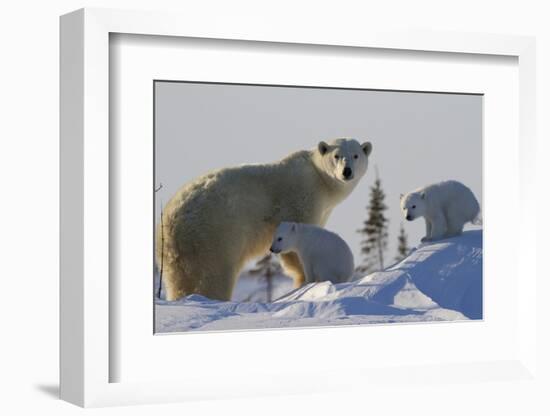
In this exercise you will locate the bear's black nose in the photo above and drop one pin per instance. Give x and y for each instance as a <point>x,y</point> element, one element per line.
<point>271,249</point>
<point>347,172</point>
<point>409,218</point>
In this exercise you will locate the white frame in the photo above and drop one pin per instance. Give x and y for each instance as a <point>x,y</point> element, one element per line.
<point>137,60</point>
<point>85,183</point>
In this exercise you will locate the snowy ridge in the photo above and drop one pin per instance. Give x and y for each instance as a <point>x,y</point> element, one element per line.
<point>437,281</point>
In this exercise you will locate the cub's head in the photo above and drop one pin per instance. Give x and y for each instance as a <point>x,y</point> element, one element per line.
<point>344,160</point>
<point>413,205</point>
<point>284,238</point>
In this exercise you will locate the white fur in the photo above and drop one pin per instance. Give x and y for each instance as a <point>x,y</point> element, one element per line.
<point>324,255</point>
<point>220,221</point>
<point>445,206</point>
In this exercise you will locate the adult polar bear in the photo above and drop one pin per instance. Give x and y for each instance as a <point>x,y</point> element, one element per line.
<point>215,224</point>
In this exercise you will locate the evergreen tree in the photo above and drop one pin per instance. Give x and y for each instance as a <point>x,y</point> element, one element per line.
<point>267,267</point>
<point>402,248</point>
<point>375,230</point>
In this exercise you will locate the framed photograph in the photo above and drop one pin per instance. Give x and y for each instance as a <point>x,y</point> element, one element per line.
<point>320,236</point>
<point>290,196</point>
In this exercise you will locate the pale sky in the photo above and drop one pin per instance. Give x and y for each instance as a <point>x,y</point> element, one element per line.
<point>418,139</point>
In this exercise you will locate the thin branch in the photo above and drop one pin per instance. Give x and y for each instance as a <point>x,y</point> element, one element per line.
<point>161,242</point>
<point>161,247</point>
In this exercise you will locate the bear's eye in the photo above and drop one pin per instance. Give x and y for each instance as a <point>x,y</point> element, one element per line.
<point>413,207</point>
<point>280,239</point>
<point>336,157</point>
<point>355,156</point>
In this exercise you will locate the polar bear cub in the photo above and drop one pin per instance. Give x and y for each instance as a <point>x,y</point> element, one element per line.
<point>324,255</point>
<point>445,206</point>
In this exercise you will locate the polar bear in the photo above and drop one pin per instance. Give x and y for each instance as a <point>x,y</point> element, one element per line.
<point>324,255</point>
<point>445,206</point>
<point>217,223</point>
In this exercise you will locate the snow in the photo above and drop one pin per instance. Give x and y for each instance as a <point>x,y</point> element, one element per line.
<point>440,281</point>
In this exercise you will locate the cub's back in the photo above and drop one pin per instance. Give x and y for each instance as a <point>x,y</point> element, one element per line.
<point>326,241</point>
<point>450,189</point>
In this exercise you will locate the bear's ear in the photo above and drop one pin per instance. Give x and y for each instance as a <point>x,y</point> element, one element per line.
<point>423,195</point>
<point>401,196</point>
<point>323,147</point>
<point>367,148</point>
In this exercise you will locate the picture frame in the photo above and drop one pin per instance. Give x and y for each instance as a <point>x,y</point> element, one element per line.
<point>87,305</point>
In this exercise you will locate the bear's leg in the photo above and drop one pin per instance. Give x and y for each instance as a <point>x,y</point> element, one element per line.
<point>455,221</point>
<point>176,283</point>
<point>454,228</point>
<point>309,274</point>
<point>439,227</point>
<point>222,287</point>
<point>293,267</point>
<point>428,231</point>
<point>218,278</point>
<point>212,280</point>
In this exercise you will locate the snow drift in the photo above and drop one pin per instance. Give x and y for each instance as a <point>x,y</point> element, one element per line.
<point>438,281</point>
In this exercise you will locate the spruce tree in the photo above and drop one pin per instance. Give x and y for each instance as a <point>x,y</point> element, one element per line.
<point>375,230</point>
<point>402,248</point>
<point>267,267</point>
